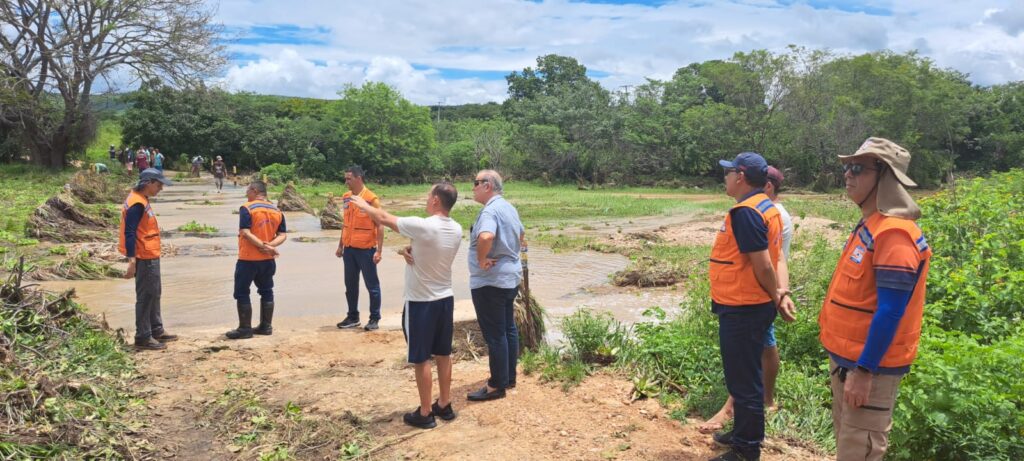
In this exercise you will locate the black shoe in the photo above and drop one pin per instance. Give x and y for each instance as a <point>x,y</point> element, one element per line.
<point>482,395</point>
<point>415,419</point>
<point>239,333</point>
<point>149,344</point>
<point>723,438</point>
<point>266,316</point>
<point>371,325</point>
<point>511,385</point>
<point>349,322</point>
<point>446,413</point>
<point>733,455</point>
<point>165,337</point>
<point>244,330</point>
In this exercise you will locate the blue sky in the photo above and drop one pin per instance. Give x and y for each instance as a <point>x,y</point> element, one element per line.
<point>460,51</point>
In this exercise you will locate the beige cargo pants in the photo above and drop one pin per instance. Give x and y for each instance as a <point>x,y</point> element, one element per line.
<point>862,434</point>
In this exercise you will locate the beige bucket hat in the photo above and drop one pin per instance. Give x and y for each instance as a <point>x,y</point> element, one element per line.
<point>892,198</point>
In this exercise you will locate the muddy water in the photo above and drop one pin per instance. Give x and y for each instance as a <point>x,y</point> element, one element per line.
<point>197,282</point>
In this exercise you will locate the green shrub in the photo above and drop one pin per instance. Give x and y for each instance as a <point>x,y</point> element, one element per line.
<point>976,231</point>
<point>279,174</point>
<point>193,226</point>
<point>591,335</point>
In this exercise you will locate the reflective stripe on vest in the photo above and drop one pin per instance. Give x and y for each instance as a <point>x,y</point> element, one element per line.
<point>852,297</point>
<point>147,234</point>
<point>733,282</point>
<point>265,221</point>
<point>358,229</point>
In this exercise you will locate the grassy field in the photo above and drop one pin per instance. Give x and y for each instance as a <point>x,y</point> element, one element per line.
<point>24,188</point>
<point>109,132</point>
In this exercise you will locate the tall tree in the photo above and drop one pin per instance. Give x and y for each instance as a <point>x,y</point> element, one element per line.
<point>53,53</point>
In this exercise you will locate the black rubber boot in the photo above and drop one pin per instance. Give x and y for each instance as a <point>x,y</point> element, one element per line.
<point>266,316</point>
<point>244,329</point>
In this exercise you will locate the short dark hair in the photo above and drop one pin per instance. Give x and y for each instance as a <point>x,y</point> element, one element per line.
<point>356,171</point>
<point>756,182</point>
<point>259,186</point>
<point>446,192</point>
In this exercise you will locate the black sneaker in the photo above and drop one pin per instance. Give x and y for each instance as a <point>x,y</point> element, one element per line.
<point>149,344</point>
<point>733,455</point>
<point>349,322</point>
<point>371,325</point>
<point>482,395</point>
<point>446,413</point>
<point>723,438</point>
<point>415,419</point>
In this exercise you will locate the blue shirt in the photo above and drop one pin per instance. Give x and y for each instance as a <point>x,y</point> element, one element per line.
<point>501,219</point>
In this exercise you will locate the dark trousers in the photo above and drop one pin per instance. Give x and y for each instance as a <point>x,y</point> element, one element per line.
<point>361,260</point>
<point>741,332</point>
<point>495,310</point>
<point>147,299</point>
<point>261,272</point>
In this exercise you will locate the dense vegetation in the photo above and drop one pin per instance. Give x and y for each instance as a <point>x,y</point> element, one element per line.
<point>799,108</point>
<point>964,397</point>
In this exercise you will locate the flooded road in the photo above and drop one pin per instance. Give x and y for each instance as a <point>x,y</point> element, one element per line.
<point>198,280</point>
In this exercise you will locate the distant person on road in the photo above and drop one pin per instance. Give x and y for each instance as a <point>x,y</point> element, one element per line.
<point>429,299</point>
<point>139,241</point>
<point>127,158</point>
<point>871,318</point>
<point>261,229</point>
<point>112,153</point>
<point>745,295</point>
<point>770,356</point>
<point>219,171</point>
<point>100,168</point>
<point>197,163</point>
<point>141,160</point>
<point>495,271</point>
<point>158,160</point>
<point>361,247</point>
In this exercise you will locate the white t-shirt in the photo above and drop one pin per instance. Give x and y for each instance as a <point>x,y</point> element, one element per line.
<point>787,229</point>
<point>435,240</point>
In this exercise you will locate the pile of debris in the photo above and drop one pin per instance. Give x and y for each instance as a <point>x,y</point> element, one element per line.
<point>80,212</point>
<point>330,216</point>
<point>290,200</point>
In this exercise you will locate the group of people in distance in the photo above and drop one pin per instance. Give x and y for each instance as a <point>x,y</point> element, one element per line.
<point>870,321</point>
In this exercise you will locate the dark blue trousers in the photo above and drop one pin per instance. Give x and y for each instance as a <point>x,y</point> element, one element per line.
<point>361,260</point>
<point>741,332</point>
<point>495,310</point>
<point>261,272</point>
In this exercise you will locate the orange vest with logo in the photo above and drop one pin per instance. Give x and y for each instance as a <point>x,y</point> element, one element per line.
<point>733,282</point>
<point>147,235</point>
<point>266,219</point>
<point>852,297</point>
<point>358,230</point>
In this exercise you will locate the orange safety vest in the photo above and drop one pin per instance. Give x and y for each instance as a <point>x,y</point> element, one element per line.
<point>266,219</point>
<point>733,282</point>
<point>358,229</point>
<point>147,235</point>
<point>852,297</point>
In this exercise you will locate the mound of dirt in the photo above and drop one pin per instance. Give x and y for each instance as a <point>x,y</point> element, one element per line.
<point>290,200</point>
<point>64,218</point>
<point>330,216</point>
<point>647,272</point>
<point>91,187</point>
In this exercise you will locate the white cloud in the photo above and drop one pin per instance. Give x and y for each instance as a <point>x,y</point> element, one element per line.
<point>393,41</point>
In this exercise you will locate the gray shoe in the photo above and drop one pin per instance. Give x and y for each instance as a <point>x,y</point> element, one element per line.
<point>371,325</point>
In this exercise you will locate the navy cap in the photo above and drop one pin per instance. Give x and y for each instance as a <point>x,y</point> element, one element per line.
<point>150,174</point>
<point>751,164</point>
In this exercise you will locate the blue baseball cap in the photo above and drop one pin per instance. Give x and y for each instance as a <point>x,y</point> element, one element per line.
<point>750,164</point>
<point>152,174</point>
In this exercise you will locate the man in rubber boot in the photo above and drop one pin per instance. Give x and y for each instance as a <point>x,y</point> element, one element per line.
<point>261,229</point>
<point>871,318</point>
<point>429,299</point>
<point>745,295</point>
<point>495,271</point>
<point>139,241</point>
<point>360,247</point>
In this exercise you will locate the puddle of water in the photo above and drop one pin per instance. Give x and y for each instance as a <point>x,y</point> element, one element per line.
<point>197,283</point>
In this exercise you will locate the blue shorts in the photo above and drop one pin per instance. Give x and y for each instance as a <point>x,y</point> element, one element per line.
<point>428,328</point>
<point>769,337</point>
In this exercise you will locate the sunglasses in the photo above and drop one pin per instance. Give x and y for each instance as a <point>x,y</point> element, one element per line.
<point>856,168</point>
<point>731,170</point>
<point>477,182</point>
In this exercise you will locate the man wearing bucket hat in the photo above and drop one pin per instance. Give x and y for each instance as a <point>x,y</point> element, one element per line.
<point>139,241</point>
<point>871,318</point>
<point>745,295</point>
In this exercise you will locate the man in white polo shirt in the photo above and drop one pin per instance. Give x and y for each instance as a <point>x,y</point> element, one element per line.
<point>429,300</point>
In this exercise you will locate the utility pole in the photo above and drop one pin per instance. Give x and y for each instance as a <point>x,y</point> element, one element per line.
<point>439,111</point>
<point>626,90</point>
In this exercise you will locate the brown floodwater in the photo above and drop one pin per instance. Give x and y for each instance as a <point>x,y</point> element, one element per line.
<point>197,281</point>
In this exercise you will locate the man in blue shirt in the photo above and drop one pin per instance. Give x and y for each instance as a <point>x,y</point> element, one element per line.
<point>495,271</point>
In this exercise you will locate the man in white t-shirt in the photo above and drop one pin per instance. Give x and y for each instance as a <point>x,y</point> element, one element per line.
<point>429,299</point>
